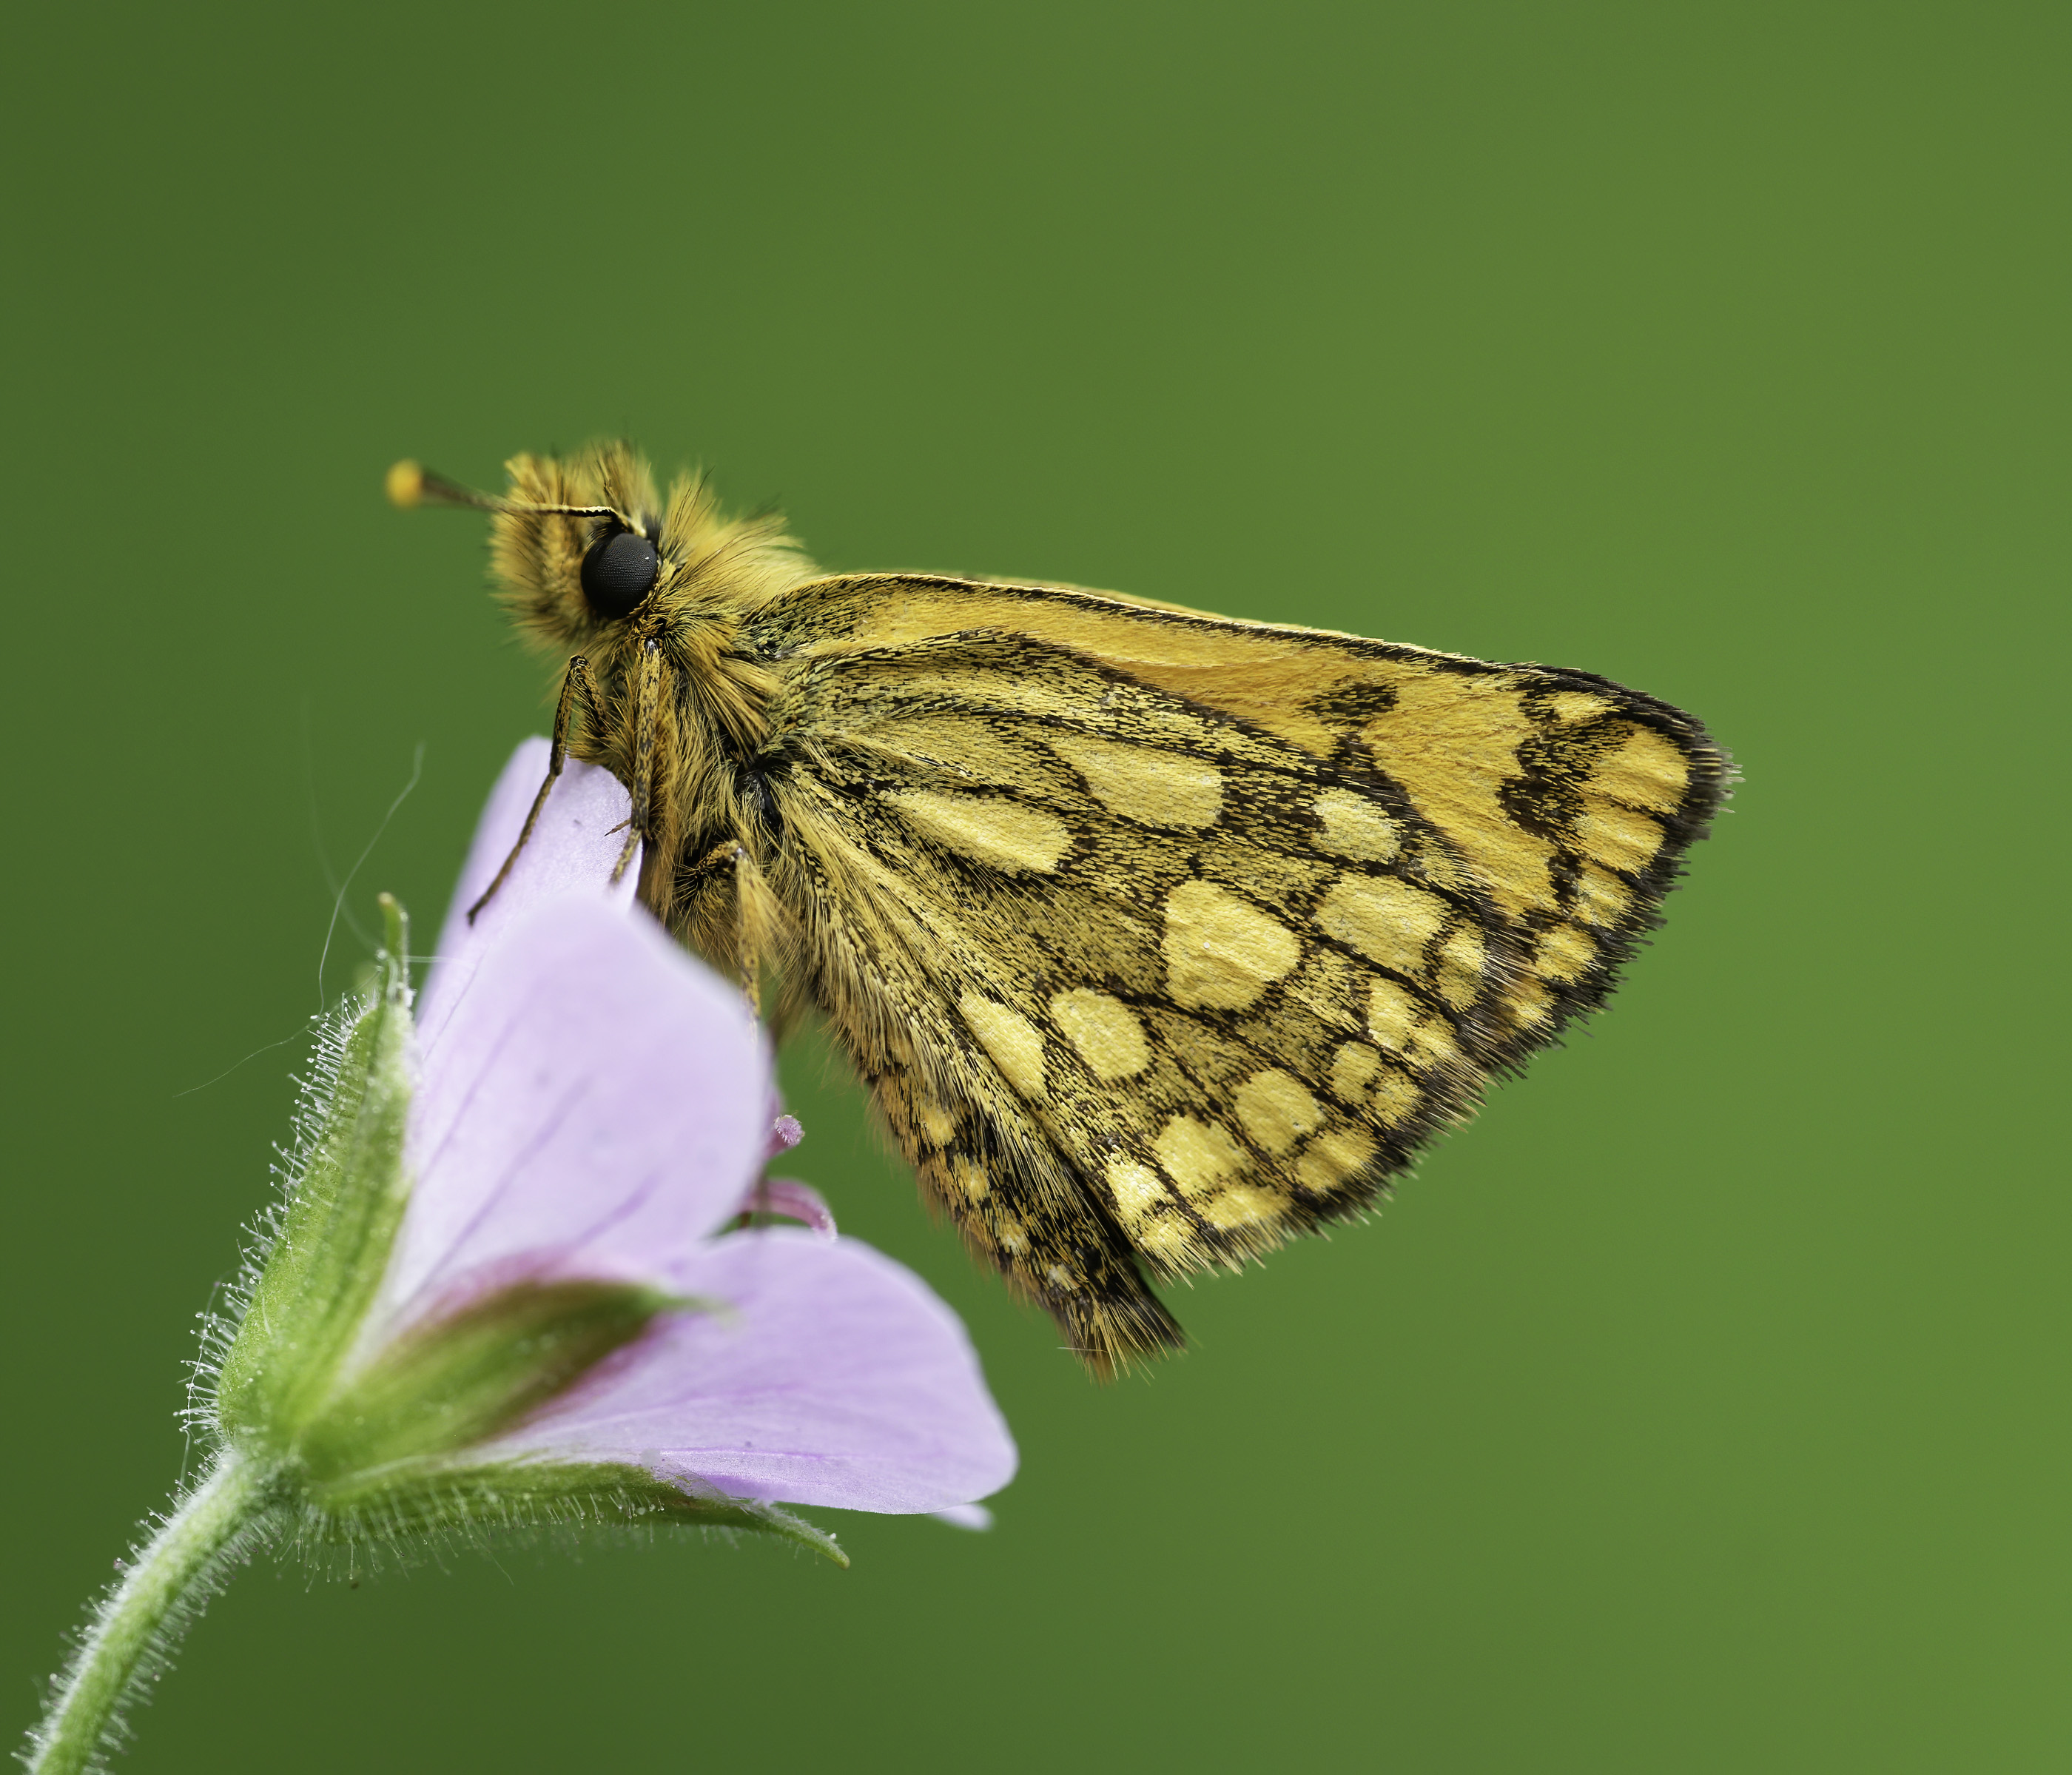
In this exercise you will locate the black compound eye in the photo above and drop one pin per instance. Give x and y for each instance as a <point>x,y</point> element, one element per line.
<point>619,570</point>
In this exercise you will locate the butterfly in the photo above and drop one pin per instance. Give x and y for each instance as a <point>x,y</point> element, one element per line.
<point>1158,938</point>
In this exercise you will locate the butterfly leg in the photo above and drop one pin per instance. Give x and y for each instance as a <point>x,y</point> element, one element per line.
<point>574,682</point>
<point>727,941</point>
<point>646,714</point>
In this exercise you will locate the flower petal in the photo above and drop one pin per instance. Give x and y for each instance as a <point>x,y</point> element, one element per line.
<point>596,1104</point>
<point>834,1377</point>
<point>976,1518</point>
<point>573,850</point>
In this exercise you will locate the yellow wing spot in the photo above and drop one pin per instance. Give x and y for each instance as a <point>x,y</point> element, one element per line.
<point>936,1122</point>
<point>1528,1003</point>
<point>1198,1156</point>
<point>1354,827</point>
<point>1011,1236</point>
<point>1221,953</point>
<point>1431,1041</point>
<point>1192,661</point>
<point>1441,867</point>
<point>1138,1192</point>
<point>1242,1204</point>
<point>1564,952</point>
<point>1395,1099</point>
<point>970,1178</point>
<point>1452,741</point>
<point>1106,1033</point>
<point>1276,1109</point>
<point>1392,1014</point>
<point>970,748</point>
<point>989,829</point>
<point>1647,771</point>
<point>1401,1025</point>
<point>1151,788</point>
<point>1145,1209</point>
<point>1461,958</point>
<point>1014,1043</point>
<point>1615,836</point>
<point>1569,706</point>
<point>1330,1159</point>
<point>1388,921</point>
<point>1353,1068</point>
<point>1169,1237</point>
<point>1116,632</point>
<point>1601,899</point>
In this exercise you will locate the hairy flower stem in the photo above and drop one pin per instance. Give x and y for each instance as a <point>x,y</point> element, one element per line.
<point>217,1525</point>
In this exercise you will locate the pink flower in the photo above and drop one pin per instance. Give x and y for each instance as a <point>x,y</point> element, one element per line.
<point>509,1283</point>
<point>595,1106</point>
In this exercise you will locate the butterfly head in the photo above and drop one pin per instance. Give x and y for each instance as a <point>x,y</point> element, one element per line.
<point>585,550</point>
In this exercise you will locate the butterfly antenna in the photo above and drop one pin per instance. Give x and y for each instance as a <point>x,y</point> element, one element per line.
<point>411,484</point>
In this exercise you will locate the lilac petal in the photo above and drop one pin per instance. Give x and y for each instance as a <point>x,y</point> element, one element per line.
<point>833,1377</point>
<point>595,1106</point>
<point>790,1200</point>
<point>573,850</point>
<point>975,1517</point>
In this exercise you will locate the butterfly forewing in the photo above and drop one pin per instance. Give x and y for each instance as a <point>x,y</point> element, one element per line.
<point>1181,965</point>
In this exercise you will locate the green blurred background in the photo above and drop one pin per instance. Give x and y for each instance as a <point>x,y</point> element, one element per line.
<point>1702,1407</point>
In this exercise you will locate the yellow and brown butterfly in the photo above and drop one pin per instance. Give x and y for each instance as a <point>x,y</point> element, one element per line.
<point>1158,938</point>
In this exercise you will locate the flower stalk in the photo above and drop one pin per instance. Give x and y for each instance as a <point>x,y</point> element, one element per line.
<point>234,1511</point>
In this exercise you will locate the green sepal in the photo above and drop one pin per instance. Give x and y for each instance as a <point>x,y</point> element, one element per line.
<point>445,1386</point>
<point>465,1500</point>
<point>336,1230</point>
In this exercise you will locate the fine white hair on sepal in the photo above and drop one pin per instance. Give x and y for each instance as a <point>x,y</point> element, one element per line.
<point>316,1088</point>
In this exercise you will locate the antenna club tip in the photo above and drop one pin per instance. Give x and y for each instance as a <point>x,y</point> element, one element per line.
<point>405,485</point>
